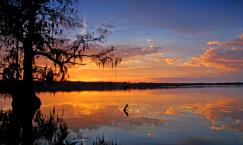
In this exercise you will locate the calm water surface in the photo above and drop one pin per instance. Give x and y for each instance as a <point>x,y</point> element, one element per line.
<point>192,116</point>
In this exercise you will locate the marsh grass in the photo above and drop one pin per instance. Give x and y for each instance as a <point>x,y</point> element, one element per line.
<point>51,129</point>
<point>102,141</point>
<point>47,130</point>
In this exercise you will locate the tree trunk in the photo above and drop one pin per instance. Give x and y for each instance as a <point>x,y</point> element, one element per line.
<point>25,102</point>
<point>27,97</point>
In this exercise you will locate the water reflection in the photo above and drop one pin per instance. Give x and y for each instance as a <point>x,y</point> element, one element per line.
<point>223,114</point>
<point>5,102</point>
<point>168,116</point>
<point>173,116</point>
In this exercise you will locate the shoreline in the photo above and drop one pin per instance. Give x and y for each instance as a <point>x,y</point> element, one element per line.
<point>67,86</point>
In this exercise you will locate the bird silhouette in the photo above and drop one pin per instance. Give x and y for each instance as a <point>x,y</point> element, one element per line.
<point>125,110</point>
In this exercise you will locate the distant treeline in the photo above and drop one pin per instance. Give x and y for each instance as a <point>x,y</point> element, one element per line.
<point>6,86</point>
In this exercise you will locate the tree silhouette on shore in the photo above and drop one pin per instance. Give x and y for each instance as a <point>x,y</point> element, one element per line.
<point>33,31</point>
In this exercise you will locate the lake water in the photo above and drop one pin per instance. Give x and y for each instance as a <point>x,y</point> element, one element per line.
<point>190,116</point>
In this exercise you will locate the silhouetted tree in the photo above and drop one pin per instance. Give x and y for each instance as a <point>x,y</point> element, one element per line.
<point>33,30</point>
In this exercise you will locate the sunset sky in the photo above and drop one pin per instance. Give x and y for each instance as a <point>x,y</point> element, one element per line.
<point>166,40</point>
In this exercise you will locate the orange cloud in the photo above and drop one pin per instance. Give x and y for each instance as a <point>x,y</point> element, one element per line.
<point>208,59</point>
<point>171,60</point>
<point>214,43</point>
<point>224,56</point>
<point>241,36</point>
